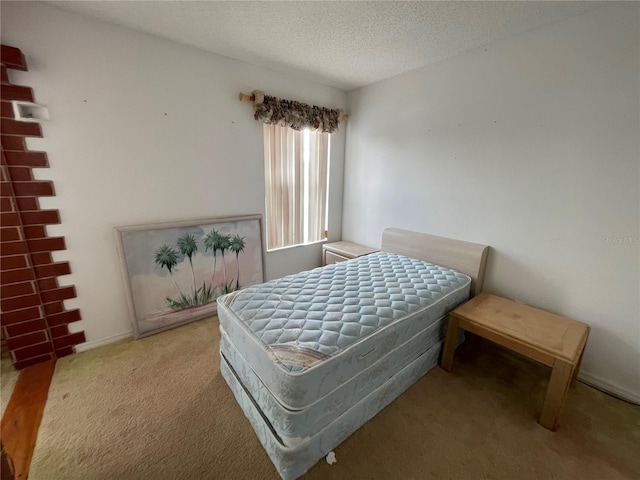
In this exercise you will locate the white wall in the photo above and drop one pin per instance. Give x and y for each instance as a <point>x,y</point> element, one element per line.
<point>146,130</point>
<point>531,146</point>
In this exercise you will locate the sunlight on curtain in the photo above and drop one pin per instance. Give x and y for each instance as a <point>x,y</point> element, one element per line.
<point>296,184</point>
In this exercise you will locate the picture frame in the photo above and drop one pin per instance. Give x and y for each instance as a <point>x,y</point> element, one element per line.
<point>174,272</point>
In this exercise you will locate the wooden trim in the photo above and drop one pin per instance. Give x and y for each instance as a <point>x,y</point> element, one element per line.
<point>22,417</point>
<point>7,472</point>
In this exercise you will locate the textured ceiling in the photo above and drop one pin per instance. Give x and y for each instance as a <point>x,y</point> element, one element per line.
<point>342,44</point>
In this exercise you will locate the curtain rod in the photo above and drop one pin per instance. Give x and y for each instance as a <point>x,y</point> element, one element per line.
<point>250,98</point>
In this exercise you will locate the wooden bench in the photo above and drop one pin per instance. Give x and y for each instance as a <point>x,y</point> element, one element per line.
<point>553,340</point>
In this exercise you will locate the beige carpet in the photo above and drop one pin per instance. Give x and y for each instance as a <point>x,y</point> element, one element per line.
<point>158,409</point>
<point>8,378</point>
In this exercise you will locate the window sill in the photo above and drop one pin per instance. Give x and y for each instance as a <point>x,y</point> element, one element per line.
<point>298,245</point>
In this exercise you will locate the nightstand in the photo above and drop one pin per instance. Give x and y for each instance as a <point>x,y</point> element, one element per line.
<point>340,251</point>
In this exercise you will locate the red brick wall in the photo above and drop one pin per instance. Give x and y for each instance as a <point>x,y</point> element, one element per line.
<point>34,319</point>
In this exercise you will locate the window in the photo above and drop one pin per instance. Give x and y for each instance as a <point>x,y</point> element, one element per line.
<point>296,165</point>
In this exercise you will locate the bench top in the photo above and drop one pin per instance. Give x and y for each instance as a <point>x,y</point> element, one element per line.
<point>515,323</point>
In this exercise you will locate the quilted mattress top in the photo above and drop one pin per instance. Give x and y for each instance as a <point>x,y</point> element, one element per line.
<point>311,316</point>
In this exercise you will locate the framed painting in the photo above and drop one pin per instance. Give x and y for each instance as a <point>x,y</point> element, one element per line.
<point>174,272</point>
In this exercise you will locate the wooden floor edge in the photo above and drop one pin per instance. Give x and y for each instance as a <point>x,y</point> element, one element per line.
<point>22,417</point>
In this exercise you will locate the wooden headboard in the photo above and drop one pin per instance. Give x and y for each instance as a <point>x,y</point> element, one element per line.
<point>465,257</point>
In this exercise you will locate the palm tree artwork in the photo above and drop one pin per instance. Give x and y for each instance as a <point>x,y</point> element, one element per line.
<point>167,257</point>
<point>223,245</point>
<point>173,272</point>
<point>237,245</point>
<point>187,246</point>
<point>211,242</point>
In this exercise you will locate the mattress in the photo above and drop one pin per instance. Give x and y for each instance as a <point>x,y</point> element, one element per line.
<point>291,462</point>
<point>306,335</point>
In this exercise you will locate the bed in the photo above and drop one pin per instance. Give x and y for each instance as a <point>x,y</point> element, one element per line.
<point>313,356</point>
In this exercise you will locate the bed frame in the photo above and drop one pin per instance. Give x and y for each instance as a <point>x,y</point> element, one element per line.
<point>465,257</point>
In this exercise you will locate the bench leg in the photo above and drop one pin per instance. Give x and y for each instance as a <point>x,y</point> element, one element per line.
<point>450,343</point>
<point>561,378</point>
<point>574,377</point>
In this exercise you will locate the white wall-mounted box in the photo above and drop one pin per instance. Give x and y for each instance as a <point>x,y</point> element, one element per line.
<point>29,111</point>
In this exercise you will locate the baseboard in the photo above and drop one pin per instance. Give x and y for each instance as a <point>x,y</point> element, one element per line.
<point>103,341</point>
<point>610,388</point>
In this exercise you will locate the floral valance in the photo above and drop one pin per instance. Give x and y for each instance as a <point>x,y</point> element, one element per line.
<point>296,115</point>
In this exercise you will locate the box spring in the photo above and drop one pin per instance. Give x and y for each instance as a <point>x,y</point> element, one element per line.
<point>291,462</point>
<point>294,426</point>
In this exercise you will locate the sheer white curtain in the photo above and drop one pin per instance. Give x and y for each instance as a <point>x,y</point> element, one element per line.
<point>318,168</point>
<point>296,180</point>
